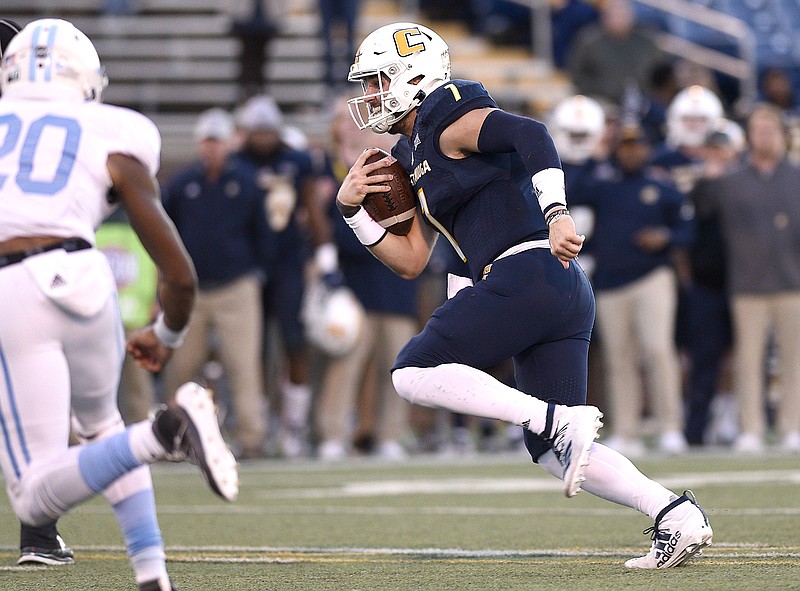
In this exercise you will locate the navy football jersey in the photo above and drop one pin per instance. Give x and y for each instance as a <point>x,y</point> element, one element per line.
<point>482,207</point>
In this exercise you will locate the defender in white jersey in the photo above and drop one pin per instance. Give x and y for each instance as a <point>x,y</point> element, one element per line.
<point>66,161</point>
<point>42,544</point>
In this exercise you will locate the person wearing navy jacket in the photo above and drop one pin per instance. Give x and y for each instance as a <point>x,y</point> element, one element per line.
<point>219,212</point>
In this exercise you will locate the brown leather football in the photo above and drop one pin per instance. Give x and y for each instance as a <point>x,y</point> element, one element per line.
<point>395,208</point>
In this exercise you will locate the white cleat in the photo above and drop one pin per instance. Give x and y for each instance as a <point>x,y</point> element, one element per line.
<point>681,531</point>
<point>199,438</point>
<point>574,432</point>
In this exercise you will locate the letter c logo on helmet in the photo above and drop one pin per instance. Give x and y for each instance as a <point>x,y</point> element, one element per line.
<point>403,43</point>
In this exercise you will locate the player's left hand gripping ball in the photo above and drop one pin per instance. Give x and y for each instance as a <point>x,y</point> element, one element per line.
<point>393,209</point>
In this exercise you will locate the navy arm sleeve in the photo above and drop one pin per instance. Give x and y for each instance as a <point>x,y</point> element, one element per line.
<point>506,132</point>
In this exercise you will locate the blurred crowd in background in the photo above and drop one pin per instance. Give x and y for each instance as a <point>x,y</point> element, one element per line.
<point>688,198</point>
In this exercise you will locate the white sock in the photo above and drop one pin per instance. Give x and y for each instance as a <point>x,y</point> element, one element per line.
<point>296,404</point>
<point>150,566</point>
<point>613,477</point>
<point>145,447</point>
<point>469,391</point>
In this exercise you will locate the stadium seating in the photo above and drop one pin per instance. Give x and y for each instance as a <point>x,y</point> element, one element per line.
<point>178,57</point>
<point>774,23</point>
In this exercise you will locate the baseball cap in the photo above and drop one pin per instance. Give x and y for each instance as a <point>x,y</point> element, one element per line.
<point>214,124</point>
<point>260,113</point>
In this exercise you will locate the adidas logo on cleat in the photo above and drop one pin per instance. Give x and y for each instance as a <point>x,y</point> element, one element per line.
<point>575,429</point>
<point>562,447</point>
<point>665,547</point>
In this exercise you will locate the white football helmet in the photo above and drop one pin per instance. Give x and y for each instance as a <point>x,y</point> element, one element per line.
<point>333,318</point>
<point>50,59</point>
<point>412,57</point>
<point>693,113</point>
<point>577,125</point>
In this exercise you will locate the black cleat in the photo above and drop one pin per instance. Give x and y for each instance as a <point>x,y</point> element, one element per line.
<point>56,556</point>
<point>157,585</point>
<point>188,429</point>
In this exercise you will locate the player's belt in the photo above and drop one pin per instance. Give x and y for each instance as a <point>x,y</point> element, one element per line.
<point>70,245</point>
<point>516,249</point>
<point>522,247</point>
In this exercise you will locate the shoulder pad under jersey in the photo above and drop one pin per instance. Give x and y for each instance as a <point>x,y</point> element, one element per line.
<point>451,100</point>
<point>130,132</point>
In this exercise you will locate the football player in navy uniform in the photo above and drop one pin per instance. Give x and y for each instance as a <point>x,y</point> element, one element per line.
<point>491,183</point>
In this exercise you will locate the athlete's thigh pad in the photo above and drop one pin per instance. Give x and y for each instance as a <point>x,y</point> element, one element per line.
<point>79,283</point>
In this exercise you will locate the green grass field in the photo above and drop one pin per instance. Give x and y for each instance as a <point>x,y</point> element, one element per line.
<point>484,523</point>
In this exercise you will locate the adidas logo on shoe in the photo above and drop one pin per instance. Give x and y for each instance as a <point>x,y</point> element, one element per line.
<point>574,430</point>
<point>666,544</point>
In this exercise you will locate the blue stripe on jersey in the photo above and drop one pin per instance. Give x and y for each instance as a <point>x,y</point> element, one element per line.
<point>15,415</point>
<point>102,462</point>
<point>120,331</point>
<point>137,520</point>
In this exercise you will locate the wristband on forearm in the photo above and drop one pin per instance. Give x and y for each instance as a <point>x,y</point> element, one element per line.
<point>556,215</point>
<point>549,186</point>
<point>166,336</point>
<point>347,211</point>
<point>368,231</point>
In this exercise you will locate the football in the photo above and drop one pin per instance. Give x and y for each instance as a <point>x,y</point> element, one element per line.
<point>393,209</point>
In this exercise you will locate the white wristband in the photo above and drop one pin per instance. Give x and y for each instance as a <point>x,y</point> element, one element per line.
<point>168,337</point>
<point>549,186</point>
<point>368,231</point>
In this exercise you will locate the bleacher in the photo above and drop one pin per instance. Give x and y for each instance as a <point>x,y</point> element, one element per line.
<point>174,58</point>
<point>774,23</point>
<point>177,57</point>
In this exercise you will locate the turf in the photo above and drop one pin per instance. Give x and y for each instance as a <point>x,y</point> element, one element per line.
<point>480,523</point>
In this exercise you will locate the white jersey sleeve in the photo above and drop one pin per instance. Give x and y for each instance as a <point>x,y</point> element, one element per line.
<point>54,177</point>
<point>131,133</point>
